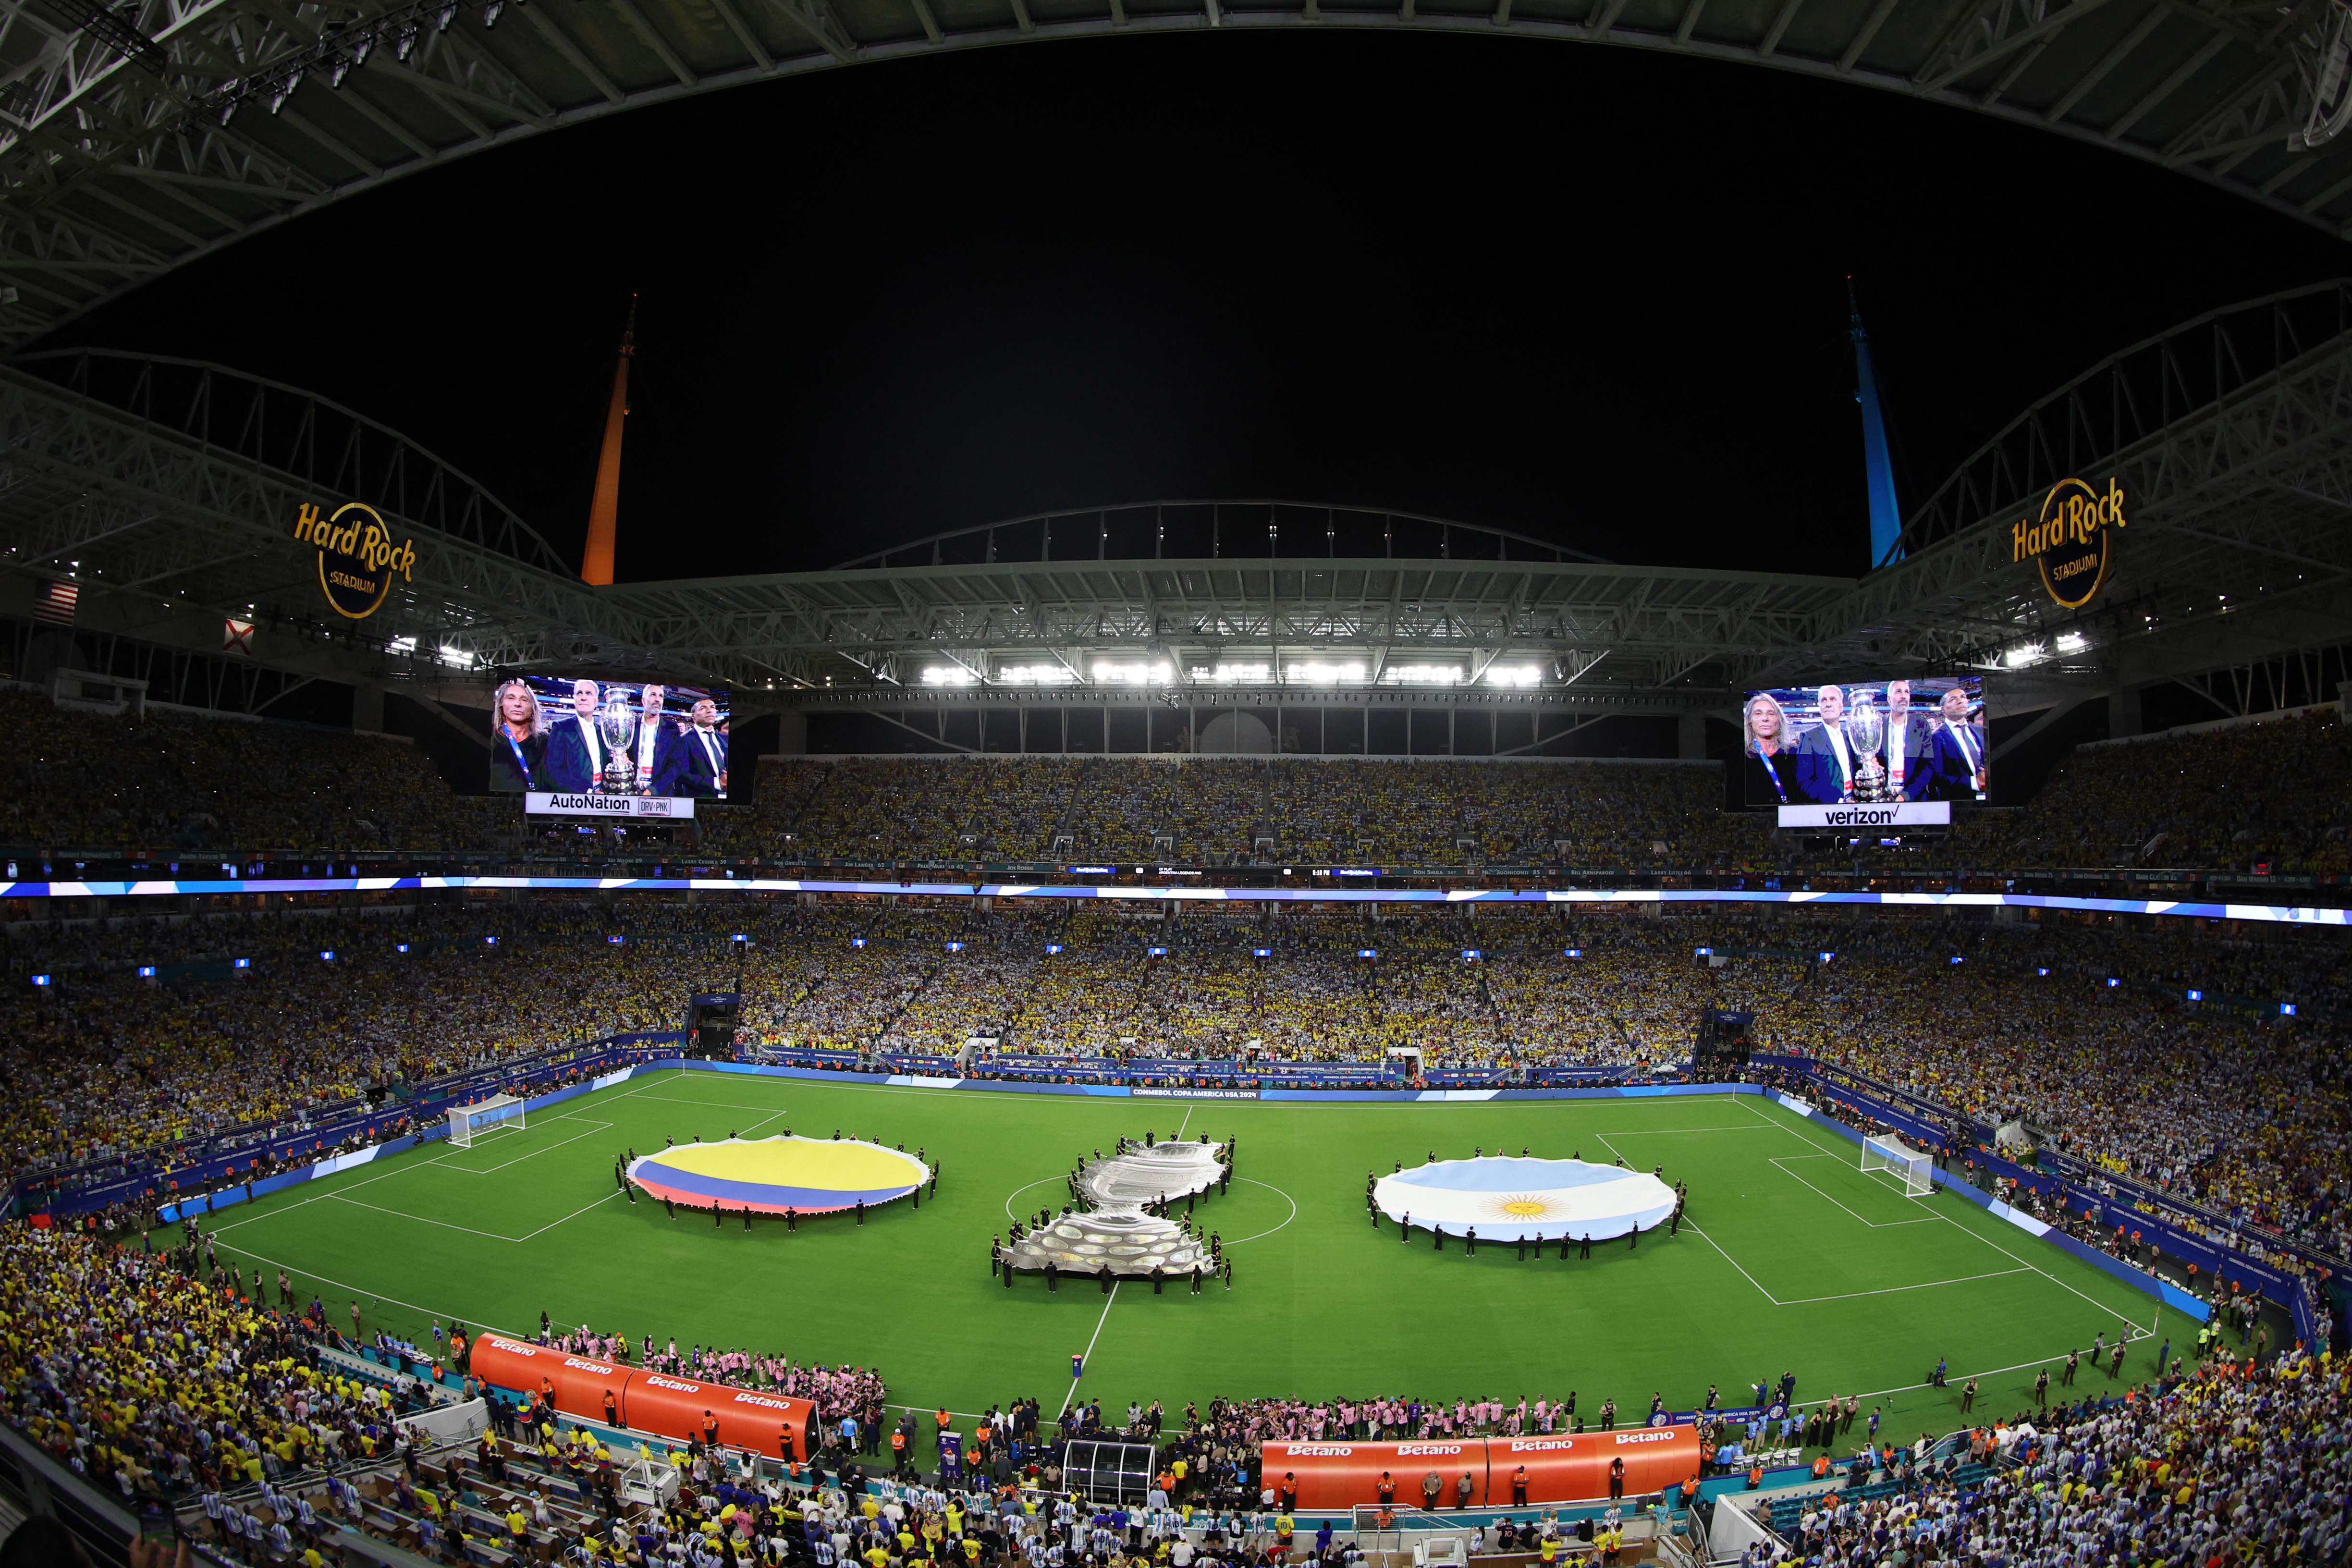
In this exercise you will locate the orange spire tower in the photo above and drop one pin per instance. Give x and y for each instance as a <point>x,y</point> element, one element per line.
<point>603,508</point>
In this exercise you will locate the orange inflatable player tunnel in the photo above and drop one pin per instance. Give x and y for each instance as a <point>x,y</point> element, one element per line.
<point>579,1385</point>
<point>1346,1473</point>
<point>1566,1467</point>
<point>747,1417</point>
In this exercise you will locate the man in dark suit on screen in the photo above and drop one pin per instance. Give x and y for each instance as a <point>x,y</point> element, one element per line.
<point>1909,743</point>
<point>1959,766</point>
<point>575,752</point>
<point>1826,759</point>
<point>704,747</point>
<point>659,753</point>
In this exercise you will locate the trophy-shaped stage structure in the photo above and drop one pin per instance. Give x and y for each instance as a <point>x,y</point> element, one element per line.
<point>1116,1236</point>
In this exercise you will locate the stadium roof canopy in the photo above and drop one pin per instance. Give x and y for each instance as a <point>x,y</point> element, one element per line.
<point>136,137</point>
<point>167,493</point>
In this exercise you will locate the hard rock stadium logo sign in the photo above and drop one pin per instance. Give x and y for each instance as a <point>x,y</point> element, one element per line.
<point>2073,541</point>
<point>357,556</point>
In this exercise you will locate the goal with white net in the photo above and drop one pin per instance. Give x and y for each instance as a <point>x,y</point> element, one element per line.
<point>1889,1153</point>
<point>500,1112</point>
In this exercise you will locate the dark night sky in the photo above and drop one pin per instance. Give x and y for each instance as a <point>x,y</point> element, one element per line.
<point>1588,294</point>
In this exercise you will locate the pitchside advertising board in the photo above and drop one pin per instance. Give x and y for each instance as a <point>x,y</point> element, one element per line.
<point>1564,1468</point>
<point>646,1401</point>
<point>1882,752</point>
<point>576,746</point>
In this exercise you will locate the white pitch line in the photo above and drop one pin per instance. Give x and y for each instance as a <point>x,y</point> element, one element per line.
<point>535,1154</point>
<point>1988,1241</point>
<point>575,1214</point>
<point>1899,1290</point>
<point>1089,1354</point>
<point>1874,1225</point>
<point>1270,1187</point>
<point>1734,1263</point>
<point>420,1219</point>
<point>1187,1122</point>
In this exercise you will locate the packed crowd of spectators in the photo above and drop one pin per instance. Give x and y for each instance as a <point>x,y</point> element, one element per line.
<point>2223,1101</point>
<point>172,782</point>
<point>159,1383</point>
<point>2240,1463</point>
<point>2260,797</point>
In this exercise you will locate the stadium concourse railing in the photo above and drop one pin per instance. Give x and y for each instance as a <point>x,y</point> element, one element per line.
<point>43,864</point>
<point>2302,1279</point>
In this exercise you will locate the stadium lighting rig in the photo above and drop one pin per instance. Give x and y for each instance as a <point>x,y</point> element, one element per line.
<point>335,56</point>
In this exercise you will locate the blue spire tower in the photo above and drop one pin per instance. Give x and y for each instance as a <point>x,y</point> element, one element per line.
<point>1878,462</point>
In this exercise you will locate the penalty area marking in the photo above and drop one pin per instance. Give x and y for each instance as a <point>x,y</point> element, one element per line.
<point>2137,1332</point>
<point>1785,1162</point>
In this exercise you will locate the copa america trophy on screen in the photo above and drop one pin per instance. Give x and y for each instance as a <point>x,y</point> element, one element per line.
<point>1865,732</point>
<point>616,723</point>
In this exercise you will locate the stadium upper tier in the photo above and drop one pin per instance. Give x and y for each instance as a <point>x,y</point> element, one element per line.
<point>2265,796</point>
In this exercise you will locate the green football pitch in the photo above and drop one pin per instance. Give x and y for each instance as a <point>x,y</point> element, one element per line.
<point>1791,1258</point>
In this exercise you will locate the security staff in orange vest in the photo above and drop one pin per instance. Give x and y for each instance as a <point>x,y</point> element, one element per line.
<point>1388,1488</point>
<point>1519,1487</point>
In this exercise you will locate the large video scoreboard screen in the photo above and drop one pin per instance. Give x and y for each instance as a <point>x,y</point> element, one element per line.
<point>1813,752</point>
<point>575,737</point>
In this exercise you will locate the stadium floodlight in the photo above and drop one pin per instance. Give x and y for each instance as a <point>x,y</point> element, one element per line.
<point>2024,654</point>
<point>1889,1153</point>
<point>1422,674</point>
<point>456,657</point>
<point>1133,672</point>
<point>500,1114</point>
<point>2197,995</point>
<point>948,674</point>
<point>1035,674</point>
<point>1236,674</point>
<point>2073,642</point>
<point>400,645</point>
<point>1514,675</point>
<point>1315,672</point>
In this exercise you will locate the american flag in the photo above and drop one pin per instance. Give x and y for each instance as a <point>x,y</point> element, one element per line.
<point>55,602</point>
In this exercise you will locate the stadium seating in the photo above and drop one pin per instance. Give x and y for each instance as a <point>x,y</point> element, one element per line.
<point>2260,797</point>
<point>2226,1106</point>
